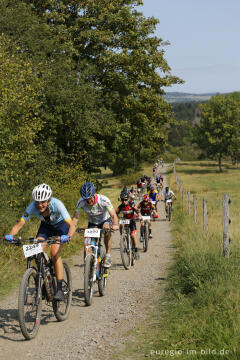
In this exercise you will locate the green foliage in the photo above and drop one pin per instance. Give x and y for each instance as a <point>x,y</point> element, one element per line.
<point>218,133</point>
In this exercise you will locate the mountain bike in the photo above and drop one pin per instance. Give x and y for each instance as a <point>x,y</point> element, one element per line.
<point>169,210</point>
<point>39,282</point>
<point>145,232</point>
<point>126,245</point>
<point>94,270</point>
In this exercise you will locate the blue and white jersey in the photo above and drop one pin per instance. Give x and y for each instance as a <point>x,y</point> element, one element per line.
<point>57,211</point>
<point>99,211</point>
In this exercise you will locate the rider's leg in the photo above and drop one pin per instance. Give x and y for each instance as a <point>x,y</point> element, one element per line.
<point>108,243</point>
<point>149,228</point>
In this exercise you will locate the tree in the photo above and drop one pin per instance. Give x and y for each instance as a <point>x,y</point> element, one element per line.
<point>112,46</point>
<point>218,132</point>
<point>21,93</point>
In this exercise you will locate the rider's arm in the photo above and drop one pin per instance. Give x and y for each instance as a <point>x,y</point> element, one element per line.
<point>16,228</point>
<point>114,217</point>
<point>72,227</point>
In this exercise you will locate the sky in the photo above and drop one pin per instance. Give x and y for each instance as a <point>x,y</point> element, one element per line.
<point>204,38</point>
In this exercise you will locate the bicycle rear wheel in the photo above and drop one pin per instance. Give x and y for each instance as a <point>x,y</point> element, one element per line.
<point>126,251</point>
<point>103,275</point>
<point>61,309</point>
<point>88,279</point>
<point>29,306</point>
<point>145,239</point>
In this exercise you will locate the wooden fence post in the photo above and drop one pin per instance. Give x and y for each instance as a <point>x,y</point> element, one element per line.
<point>226,222</point>
<point>205,215</point>
<point>189,203</point>
<point>195,208</point>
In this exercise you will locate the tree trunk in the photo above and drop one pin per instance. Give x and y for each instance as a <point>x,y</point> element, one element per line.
<point>220,164</point>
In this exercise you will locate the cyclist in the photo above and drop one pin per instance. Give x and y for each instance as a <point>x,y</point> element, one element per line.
<point>168,194</point>
<point>129,211</point>
<point>159,181</point>
<point>55,221</point>
<point>101,214</point>
<point>153,195</point>
<point>146,207</point>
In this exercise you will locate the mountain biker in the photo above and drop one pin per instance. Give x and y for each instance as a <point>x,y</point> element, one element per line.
<point>129,210</point>
<point>159,181</point>
<point>101,214</point>
<point>168,194</point>
<point>153,195</point>
<point>145,207</point>
<point>55,221</point>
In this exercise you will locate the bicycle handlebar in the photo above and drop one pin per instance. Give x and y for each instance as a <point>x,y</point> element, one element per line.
<point>51,240</point>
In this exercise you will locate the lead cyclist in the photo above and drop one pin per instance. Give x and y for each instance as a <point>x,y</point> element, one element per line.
<point>101,214</point>
<point>55,221</point>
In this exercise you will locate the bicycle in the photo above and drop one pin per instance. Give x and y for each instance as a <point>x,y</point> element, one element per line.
<point>145,232</point>
<point>169,210</point>
<point>94,270</point>
<point>126,245</point>
<point>39,282</point>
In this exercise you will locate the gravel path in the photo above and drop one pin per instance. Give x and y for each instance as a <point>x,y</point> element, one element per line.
<point>97,331</point>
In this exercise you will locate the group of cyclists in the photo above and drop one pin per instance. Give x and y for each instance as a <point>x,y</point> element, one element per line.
<point>56,220</point>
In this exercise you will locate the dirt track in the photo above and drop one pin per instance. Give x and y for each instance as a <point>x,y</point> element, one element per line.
<point>97,331</point>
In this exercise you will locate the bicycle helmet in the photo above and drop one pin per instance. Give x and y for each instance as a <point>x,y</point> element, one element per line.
<point>42,192</point>
<point>167,188</point>
<point>87,190</point>
<point>124,195</point>
<point>145,198</point>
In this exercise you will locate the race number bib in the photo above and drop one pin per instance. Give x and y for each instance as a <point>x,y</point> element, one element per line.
<point>124,222</point>
<point>30,250</point>
<point>92,233</point>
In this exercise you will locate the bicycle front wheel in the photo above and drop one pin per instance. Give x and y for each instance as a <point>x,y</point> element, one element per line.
<point>145,239</point>
<point>169,212</point>
<point>29,304</point>
<point>61,309</point>
<point>126,251</point>
<point>88,279</point>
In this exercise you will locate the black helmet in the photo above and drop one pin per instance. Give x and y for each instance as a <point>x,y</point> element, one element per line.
<point>167,188</point>
<point>124,195</point>
<point>87,190</point>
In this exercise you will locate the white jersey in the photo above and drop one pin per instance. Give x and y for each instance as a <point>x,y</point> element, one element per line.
<point>168,195</point>
<point>98,212</point>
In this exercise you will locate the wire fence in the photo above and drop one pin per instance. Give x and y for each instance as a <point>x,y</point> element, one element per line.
<point>195,211</point>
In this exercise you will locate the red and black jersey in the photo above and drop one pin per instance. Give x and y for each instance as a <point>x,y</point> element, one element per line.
<point>145,208</point>
<point>128,210</point>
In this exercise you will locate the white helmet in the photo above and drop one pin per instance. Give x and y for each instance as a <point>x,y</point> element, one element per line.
<point>42,192</point>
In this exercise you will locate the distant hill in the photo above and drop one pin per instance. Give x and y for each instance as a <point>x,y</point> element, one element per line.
<point>175,97</point>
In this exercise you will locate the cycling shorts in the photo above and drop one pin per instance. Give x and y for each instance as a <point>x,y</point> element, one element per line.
<point>47,230</point>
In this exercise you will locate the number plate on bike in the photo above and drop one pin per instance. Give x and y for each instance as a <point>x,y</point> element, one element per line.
<point>92,233</point>
<point>145,217</point>
<point>169,201</point>
<point>124,222</point>
<point>153,202</point>
<point>30,250</point>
